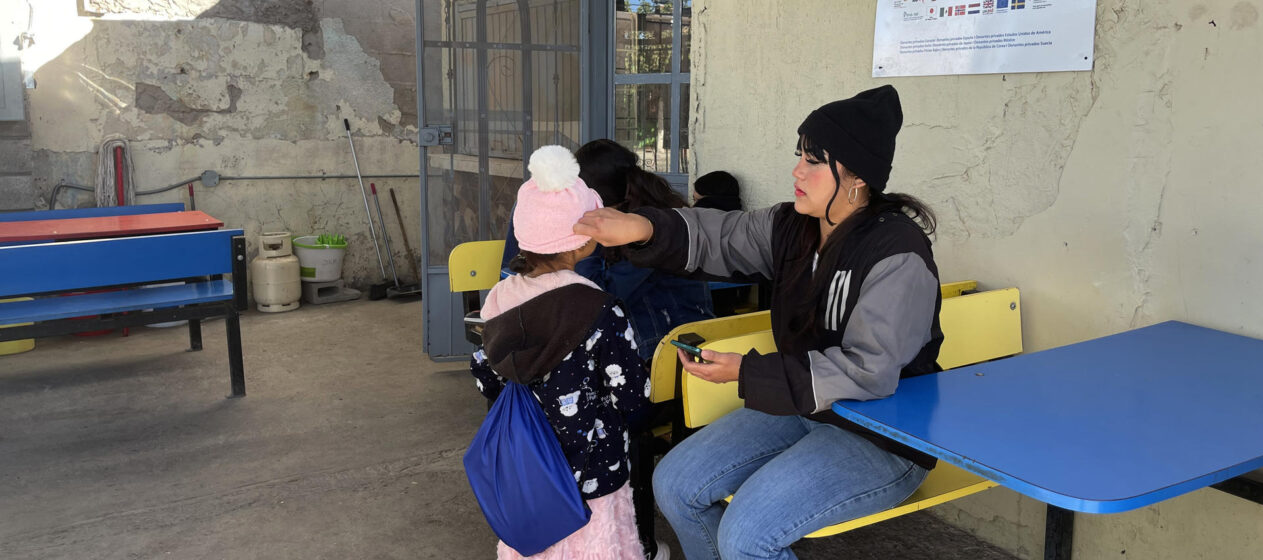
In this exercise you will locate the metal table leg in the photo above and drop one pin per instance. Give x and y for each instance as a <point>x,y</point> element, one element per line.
<point>1058,533</point>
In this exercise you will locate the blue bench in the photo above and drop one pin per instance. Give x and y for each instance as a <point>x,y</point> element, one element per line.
<point>52,273</point>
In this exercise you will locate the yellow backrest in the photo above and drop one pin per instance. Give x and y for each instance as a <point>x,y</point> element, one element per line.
<point>474,266</point>
<point>980,327</point>
<point>705,402</point>
<point>662,366</point>
<point>976,328</point>
<point>953,289</point>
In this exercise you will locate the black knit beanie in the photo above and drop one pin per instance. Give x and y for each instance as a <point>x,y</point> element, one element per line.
<point>717,183</point>
<point>859,132</point>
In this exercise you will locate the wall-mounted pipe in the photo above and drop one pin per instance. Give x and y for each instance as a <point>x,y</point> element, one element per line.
<point>271,177</point>
<point>211,178</point>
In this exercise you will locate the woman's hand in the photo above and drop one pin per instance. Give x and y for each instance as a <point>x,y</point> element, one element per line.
<point>724,367</point>
<point>613,228</point>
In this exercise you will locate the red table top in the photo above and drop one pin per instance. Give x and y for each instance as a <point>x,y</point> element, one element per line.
<point>110,226</point>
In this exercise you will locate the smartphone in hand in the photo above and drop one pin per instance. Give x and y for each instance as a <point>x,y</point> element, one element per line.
<point>690,349</point>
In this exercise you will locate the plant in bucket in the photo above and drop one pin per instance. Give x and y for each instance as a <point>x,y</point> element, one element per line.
<point>320,268</point>
<point>320,257</point>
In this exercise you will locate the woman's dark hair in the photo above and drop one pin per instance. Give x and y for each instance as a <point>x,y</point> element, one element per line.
<point>611,170</point>
<point>879,201</point>
<point>526,261</point>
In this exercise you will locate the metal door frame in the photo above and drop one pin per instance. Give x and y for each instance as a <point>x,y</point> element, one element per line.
<point>442,328</point>
<point>673,79</point>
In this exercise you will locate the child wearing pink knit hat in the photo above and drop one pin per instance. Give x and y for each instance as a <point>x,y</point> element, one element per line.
<point>551,202</point>
<point>571,343</point>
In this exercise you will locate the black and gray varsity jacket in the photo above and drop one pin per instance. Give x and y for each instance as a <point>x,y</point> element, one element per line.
<point>876,323</point>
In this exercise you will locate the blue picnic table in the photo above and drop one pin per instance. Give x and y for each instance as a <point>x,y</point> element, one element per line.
<point>103,263</point>
<point>1102,426</point>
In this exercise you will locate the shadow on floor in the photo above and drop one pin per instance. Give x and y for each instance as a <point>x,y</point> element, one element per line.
<point>347,445</point>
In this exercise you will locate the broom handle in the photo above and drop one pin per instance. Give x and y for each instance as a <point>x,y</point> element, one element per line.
<point>372,231</point>
<point>416,269</point>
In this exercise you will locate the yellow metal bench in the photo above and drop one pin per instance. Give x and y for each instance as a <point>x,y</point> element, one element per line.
<point>474,266</point>
<point>953,289</point>
<point>976,327</point>
<point>664,365</point>
<point>471,268</point>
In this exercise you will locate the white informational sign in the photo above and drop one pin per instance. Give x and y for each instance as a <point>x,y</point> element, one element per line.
<point>937,37</point>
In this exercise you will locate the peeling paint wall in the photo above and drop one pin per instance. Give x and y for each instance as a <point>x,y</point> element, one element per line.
<point>1114,198</point>
<point>244,88</point>
<point>163,8</point>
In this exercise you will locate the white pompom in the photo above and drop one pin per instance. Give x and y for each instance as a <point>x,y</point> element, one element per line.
<point>553,168</point>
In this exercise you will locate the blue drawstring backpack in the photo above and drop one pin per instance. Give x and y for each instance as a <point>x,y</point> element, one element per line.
<point>520,476</point>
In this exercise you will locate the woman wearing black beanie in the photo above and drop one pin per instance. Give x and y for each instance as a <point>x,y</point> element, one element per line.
<point>855,301</point>
<point>718,190</point>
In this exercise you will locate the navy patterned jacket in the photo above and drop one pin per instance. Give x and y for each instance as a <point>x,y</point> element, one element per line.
<point>575,349</point>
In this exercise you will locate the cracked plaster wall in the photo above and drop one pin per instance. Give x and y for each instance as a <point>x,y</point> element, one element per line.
<point>1114,198</point>
<point>243,88</point>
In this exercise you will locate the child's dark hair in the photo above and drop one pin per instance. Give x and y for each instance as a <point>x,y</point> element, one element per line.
<point>526,261</point>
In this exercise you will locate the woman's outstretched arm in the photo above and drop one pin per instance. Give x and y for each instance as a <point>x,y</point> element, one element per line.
<point>688,240</point>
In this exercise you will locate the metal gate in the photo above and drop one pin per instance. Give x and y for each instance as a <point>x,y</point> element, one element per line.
<point>495,80</point>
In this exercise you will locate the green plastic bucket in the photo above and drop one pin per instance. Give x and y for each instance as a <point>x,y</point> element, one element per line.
<point>319,257</point>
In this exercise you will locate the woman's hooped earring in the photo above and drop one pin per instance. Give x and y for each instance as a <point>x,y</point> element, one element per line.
<point>850,196</point>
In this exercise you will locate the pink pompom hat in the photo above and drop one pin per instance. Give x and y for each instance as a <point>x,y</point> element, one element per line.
<point>551,202</point>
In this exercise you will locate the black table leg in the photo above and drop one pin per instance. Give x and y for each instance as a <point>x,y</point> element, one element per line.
<point>1242,487</point>
<point>236,366</point>
<point>1058,533</point>
<point>195,334</point>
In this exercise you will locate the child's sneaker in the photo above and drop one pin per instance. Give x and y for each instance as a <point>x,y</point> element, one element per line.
<point>664,552</point>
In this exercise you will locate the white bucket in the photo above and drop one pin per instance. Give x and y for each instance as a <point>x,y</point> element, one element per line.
<point>316,262</point>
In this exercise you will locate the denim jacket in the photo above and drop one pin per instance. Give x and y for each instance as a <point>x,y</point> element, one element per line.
<point>656,301</point>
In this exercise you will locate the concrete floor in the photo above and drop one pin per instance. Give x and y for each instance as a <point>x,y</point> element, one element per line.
<point>348,445</point>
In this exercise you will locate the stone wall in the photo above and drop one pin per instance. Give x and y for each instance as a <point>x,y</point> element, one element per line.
<point>1114,198</point>
<point>246,88</point>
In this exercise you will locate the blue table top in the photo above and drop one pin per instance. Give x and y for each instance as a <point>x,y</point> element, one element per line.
<point>1102,426</point>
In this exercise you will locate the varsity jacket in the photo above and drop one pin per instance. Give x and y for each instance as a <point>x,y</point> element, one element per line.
<point>572,345</point>
<point>877,321</point>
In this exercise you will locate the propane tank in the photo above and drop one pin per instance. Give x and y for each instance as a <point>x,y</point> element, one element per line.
<point>275,274</point>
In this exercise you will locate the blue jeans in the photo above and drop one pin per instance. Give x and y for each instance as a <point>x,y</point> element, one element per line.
<point>789,476</point>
